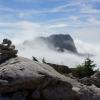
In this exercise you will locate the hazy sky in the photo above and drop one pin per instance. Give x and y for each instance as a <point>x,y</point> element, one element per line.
<point>80,18</point>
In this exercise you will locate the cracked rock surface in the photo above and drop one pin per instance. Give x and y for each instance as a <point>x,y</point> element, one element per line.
<point>32,80</point>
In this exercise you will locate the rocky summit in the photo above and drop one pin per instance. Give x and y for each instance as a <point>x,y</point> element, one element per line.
<point>60,42</point>
<point>24,79</point>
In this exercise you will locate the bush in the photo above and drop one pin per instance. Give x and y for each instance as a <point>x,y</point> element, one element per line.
<point>84,70</point>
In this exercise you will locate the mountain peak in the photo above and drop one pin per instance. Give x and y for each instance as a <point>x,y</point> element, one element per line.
<point>60,42</point>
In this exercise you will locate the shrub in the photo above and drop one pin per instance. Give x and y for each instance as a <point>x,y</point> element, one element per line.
<point>84,70</point>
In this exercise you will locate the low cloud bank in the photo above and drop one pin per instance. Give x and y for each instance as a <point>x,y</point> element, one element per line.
<point>40,51</point>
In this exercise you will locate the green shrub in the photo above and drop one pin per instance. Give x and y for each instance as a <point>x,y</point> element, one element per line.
<point>84,70</point>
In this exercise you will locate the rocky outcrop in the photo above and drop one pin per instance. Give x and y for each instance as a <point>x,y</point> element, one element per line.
<point>89,93</point>
<point>86,81</point>
<point>59,68</point>
<point>93,80</point>
<point>24,79</point>
<point>32,80</point>
<point>96,79</point>
<point>7,50</point>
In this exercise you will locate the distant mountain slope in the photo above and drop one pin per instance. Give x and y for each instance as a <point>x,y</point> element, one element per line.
<point>59,42</point>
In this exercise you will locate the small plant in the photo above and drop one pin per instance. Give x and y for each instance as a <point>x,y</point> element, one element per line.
<point>84,70</point>
<point>43,60</point>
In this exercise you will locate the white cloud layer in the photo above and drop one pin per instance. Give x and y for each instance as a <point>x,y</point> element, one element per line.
<point>39,50</point>
<point>26,30</point>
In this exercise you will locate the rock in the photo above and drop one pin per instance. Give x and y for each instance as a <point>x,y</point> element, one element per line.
<point>27,79</point>
<point>89,93</point>
<point>96,79</point>
<point>60,92</point>
<point>7,51</point>
<point>59,68</point>
<point>86,81</point>
<point>13,96</point>
<point>34,58</point>
<point>24,79</point>
<point>63,41</point>
<point>71,76</point>
<point>6,41</point>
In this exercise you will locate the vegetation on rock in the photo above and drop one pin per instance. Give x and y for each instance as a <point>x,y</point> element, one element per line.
<point>84,70</point>
<point>59,68</point>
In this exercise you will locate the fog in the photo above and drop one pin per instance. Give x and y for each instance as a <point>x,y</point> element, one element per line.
<point>40,51</point>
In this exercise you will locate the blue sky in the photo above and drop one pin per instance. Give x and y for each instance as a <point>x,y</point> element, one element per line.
<point>80,18</point>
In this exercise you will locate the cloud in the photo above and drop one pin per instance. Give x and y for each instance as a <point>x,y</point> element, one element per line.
<point>38,0</point>
<point>65,8</point>
<point>74,18</point>
<point>56,9</point>
<point>6,9</point>
<point>73,25</point>
<point>93,21</point>
<point>35,49</point>
<point>90,10</point>
<point>28,30</point>
<point>40,51</point>
<point>22,30</point>
<point>59,25</point>
<point>31,12</point>
<point>25,0</point>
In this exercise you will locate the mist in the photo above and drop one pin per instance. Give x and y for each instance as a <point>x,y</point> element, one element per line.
<point>40,51</point>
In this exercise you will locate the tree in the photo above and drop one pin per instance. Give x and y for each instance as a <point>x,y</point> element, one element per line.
<point>84,70</point>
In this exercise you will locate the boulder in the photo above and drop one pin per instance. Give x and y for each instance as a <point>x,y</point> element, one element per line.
<point>89,93</point>
<point>25,79</point>
<point>96,79</point>
<point>86,81</point>
<point>7,50</point>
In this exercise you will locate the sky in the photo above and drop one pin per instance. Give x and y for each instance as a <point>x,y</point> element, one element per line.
<point>79,18</point>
